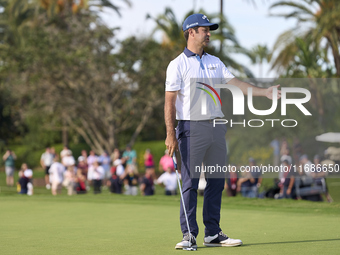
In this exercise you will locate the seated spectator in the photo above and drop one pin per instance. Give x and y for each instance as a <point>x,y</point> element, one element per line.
<point>130,178</point>
<point>249,183</point>
<point>285,156</point>
<point>306,165</point>
<point>147,188</point>
<point>96,175</point>
<point>81,175</point>
<point>287,181</point>
<point>80,182</point>
<point>320,175</point>
<point>69,180</point>
<point>231,184</point>
<point>56,175</point>
<point>169,180</point>
<point>82,165</point>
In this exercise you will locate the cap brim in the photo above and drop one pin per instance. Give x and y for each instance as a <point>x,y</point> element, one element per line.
<point>212,26</point>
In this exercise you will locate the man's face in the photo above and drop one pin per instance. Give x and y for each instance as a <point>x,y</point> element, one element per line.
<point>202,36</point>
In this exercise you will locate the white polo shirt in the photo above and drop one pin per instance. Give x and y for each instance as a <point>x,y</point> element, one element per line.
<point>194,78</point>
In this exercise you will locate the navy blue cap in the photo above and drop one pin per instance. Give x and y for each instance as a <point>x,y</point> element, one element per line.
<point>198,20</point>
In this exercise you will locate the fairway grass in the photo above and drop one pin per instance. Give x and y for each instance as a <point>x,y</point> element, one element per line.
<point>114,224</point>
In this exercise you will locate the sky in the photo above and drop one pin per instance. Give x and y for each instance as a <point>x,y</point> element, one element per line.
<point>252,24</point>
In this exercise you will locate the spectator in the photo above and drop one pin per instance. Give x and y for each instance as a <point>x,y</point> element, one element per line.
<point>285,156</point>
<point>306,165</point>
<point>130,156</point>
<point>117,171</point>
<point>275,144</point>
<point>96,175</point>
<point>68,159</point>
<point>169,180</point>
<point>244,185</point>
<point>320,177</point>
<point>256,174</point>
<point>250,181</point>
<point>25,180</point>
<point>69,180</point>
<point>52,151</point>
<point>147,186</point>
<point>231,184</point>
<point>82,166</point>
<point>130,177</point>
<point>105,162</point>
<point>46,160</point>
<point>149,163</point>
<point>84,155</point>
<point>65,151</point>
<point>9,159</point>
<point>56,175</point>
<point>91,159</point>
<point>80,182</point>
<point>287,181</point>
<point>166,162</point>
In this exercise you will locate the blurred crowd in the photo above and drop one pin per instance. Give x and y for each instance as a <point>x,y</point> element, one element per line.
<point>118,173</point>
<point>298,177</point>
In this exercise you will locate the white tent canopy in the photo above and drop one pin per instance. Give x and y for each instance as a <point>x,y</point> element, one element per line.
<point>330,137</point>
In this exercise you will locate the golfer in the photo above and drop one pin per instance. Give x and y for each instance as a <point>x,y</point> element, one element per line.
<point>196,138</point>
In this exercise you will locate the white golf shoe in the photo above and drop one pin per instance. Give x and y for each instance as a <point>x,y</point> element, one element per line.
<point>185,242</point>
<point>221,239</point>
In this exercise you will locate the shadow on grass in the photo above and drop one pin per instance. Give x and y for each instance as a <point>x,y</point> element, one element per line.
<point>273,243</point>
<point>286,242</point>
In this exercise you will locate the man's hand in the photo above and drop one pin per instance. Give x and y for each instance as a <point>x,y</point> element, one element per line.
<point>171,143</point>
<point>289,190</point>
<point>269,92</point>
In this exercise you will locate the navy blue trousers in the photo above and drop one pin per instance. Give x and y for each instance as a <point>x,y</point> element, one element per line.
<point>201,143</point>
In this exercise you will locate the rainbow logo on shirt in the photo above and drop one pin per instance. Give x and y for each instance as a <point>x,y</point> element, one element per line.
<point>209,93</point>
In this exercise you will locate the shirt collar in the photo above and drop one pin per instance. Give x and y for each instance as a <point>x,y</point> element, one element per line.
<point>189,53</point>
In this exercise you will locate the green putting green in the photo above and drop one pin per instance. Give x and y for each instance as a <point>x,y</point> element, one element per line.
<point>117,224</point>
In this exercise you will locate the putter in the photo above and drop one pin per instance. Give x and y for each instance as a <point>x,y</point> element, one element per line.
<point>190,248</point>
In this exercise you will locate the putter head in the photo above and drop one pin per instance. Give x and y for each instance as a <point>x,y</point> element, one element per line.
<point>190,249</point>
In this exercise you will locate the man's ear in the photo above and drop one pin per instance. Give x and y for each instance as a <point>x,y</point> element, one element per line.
<point>191,32</point>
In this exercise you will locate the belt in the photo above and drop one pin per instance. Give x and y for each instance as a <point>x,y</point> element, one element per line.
<point>209,120</point>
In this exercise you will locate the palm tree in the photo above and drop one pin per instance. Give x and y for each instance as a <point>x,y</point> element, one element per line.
<point>322,23</point>
<point>260,53</point>
<point>173,36</point>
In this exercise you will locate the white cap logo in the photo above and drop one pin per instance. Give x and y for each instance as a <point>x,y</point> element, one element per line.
<point>205,17</point>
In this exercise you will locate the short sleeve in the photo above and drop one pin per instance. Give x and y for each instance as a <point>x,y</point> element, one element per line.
<point>173,80</point>
<point>226,74</point>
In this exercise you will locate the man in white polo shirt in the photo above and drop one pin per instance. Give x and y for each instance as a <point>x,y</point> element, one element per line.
<point>188,77</point>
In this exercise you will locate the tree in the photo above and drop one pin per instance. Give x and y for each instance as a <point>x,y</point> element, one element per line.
<point>70,75</point>
<point>322,21</point>
<point>173,36</point>
<point>260,53</point>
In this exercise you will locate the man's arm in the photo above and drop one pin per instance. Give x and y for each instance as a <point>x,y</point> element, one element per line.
<point>170,118</point>
<point>265,92</point>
